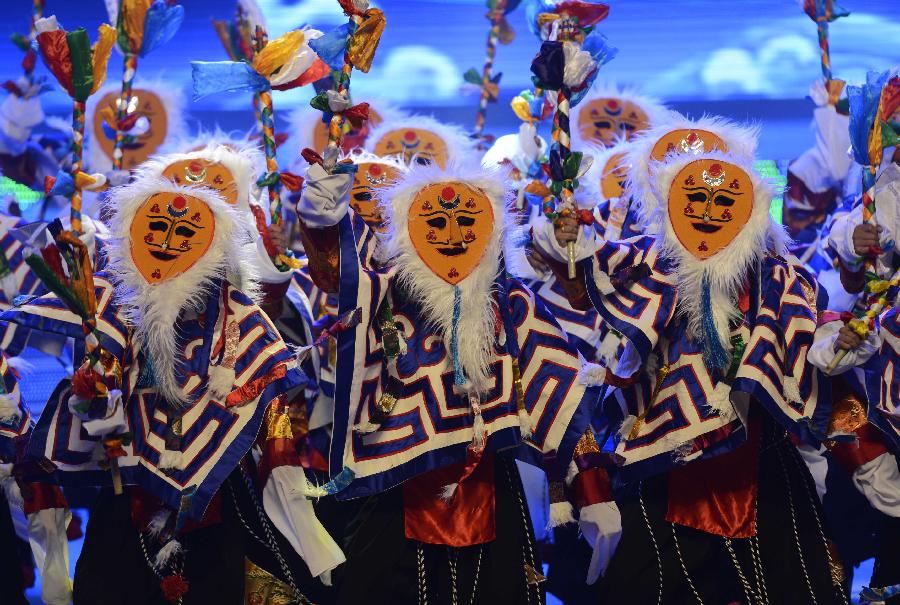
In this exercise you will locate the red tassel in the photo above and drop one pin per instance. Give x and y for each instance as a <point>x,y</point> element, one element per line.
<point>174,587</point>
<point>84,383</point>
<point>51,256</point>
<point>349,9</point>
<point>585,216</point>
<point>49,181</point>
<point>11,87</point>
<point>55,51</point>
<point>357,115</point>
<point>260,218</point>
<point>291,181</point>
<point>318,70</point>
<point>311,156</point>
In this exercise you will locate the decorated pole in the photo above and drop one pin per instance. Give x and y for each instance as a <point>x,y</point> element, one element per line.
<point>266,117</point>
<point>488,84</point>
<point>142,26</point>
<point>823,12</point>
<point>80,69</point>
<point>358,40</point>
<point>570,55</point>
<point>238,38</point>
<point>871,107</point>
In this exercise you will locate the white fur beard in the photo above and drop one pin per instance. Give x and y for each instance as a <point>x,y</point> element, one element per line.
<point>475,330</point>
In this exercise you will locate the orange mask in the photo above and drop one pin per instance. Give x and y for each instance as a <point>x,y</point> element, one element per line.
<point>423,145</point>
<point>170,232</point>
<point>450,225</point>
<point>146,137</point>
<point>202,172</point>
<point>612,181</point>
<point>710,201</point>
<point>687,140</point>
<point>606,121</point>
<point>353,138</point>
<point>369,177</point>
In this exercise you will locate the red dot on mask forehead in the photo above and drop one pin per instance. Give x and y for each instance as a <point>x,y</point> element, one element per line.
<point>409,135</point>
<point>448,193</point>
<point>612,104</point>
<point>179,203</point>
<point>715,169</point>
<point>375,170</point>
<point>195,166</point>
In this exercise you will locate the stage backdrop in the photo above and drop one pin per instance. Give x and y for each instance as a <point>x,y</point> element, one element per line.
<point>749,59</point>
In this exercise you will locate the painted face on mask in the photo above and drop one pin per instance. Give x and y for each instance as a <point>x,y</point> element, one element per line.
<point>709,203</point>
<point>687,140</point>
<point>606,121</point>
<point>202,172</point>
<point>147,125</point>
<point>612,181</point>
<point>371,176</point>
<point>450,225</point>
<point>414,144</point>
<point>169,234</point>
<point>353,138</point>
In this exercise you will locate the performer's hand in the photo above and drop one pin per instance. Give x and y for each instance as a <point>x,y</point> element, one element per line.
<point>865,238</point>
<point>566,230</point>
<point>847,340</point>
<point>278,233</point>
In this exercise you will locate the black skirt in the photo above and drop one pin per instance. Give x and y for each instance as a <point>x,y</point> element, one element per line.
<point>660,562</point>
<point>384,567</point>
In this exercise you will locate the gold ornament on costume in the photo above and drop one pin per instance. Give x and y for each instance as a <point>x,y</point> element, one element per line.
<point>170,232</point>
<point>450,225</point>
<point>148,125</point>
<point>414,144</point>
<point>610,120</point>
<point>198,171</point>
<point>710,201</point>
<point>369,177</point>
<point>687,140</point>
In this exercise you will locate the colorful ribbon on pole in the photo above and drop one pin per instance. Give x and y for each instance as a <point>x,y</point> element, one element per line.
<point>80,69</point>
<point>142,26</point>
<point>282,64</point>
<point>823,12</point>
<point>871,107</point>
<point>24,42</point>
<point>571,54</point>
<point>488,83</point>
<point>343,48</point>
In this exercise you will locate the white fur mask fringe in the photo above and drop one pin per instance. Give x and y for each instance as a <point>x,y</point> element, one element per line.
<point>153,309</point>
<point>726,271</point>
<point>460,148</point>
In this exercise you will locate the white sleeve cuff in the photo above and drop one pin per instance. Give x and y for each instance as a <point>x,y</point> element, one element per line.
<point>601,525</point>
<point>879,481</point>
<point>545,239</point>
<point>47,535</point>
<point>292,513</point>
<point>822,352</point>
<point>325,198</point>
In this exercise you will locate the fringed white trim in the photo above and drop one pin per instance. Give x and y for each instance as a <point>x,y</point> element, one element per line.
<point>603,283</point>
<point>9,283</point>
<point>792,390</point>
<point>571,472</point>
<point>158,522</point>
<point>720,400</point>
<point>9,407</point>
<point>592,374</point>
<point>171,459</point>
<point>625,427</point>
<point>561,513</point>
<point>609,349</point>
<point>525,426</point>
<point>169,550</point>
<point>221,381</point>
<point>478,432</point>
<point>366,428</point>
<point>448,491</point>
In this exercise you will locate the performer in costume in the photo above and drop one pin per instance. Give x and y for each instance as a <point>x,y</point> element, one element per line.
<point>446,362</point>
<point>204,376</point>
<point>610,114</point>
<point>36,510</point>
<point>419,139</point>
<point>716,505</point>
